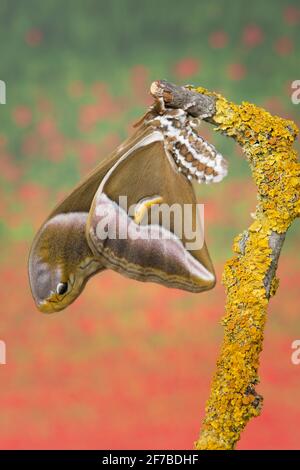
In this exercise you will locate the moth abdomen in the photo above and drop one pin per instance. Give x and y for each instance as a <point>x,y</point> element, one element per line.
<point>196,158</point>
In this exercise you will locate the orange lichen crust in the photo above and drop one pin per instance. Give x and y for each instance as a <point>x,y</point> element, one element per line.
<point>267,142</point>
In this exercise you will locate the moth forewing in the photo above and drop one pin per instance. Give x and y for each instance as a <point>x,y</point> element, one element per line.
<point>60,253</point>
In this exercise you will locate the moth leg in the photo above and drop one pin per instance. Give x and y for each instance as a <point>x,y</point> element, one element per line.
<point>142,207</point>
<point>160,105</point>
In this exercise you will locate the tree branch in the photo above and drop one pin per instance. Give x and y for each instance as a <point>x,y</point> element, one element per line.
<point>250,276</point>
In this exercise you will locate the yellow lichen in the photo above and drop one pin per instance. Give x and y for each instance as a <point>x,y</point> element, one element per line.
<point>267,142</point>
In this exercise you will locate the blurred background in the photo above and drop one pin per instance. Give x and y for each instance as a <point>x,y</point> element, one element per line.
<point>129,365</point>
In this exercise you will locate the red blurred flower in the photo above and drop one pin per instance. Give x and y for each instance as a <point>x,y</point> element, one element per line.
<point>87,325</point>
<point>47,127</point>
<point>186,68</point>
<point>218,39</point>
<point>9,170</point>
<point>252,35</point>
<point>140,82</point>
<point>89,115</point>
<point>34,37</point>
<point>31,191</point>
<point>157,319</point>
<point>236,71</point>
<point>291,15</point>
<point>89,152</point>
<point>22,116</point>
<point>284,46</point>
<point>139,74</point>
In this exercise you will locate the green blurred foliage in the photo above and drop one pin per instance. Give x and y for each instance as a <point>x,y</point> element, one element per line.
<point>49,47</point>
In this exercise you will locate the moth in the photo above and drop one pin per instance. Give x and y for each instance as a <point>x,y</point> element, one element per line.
<point>156,166</point>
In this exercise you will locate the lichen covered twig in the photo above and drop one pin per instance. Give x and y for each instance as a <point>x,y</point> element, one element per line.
<point>250,276</point>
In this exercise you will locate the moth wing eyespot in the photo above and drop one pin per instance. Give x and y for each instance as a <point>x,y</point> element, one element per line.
<point>61,288</point>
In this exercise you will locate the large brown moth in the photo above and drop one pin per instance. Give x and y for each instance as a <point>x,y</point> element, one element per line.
<point>155,166</point>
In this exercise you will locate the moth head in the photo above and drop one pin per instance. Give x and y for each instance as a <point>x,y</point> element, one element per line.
<point>60,262</point>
